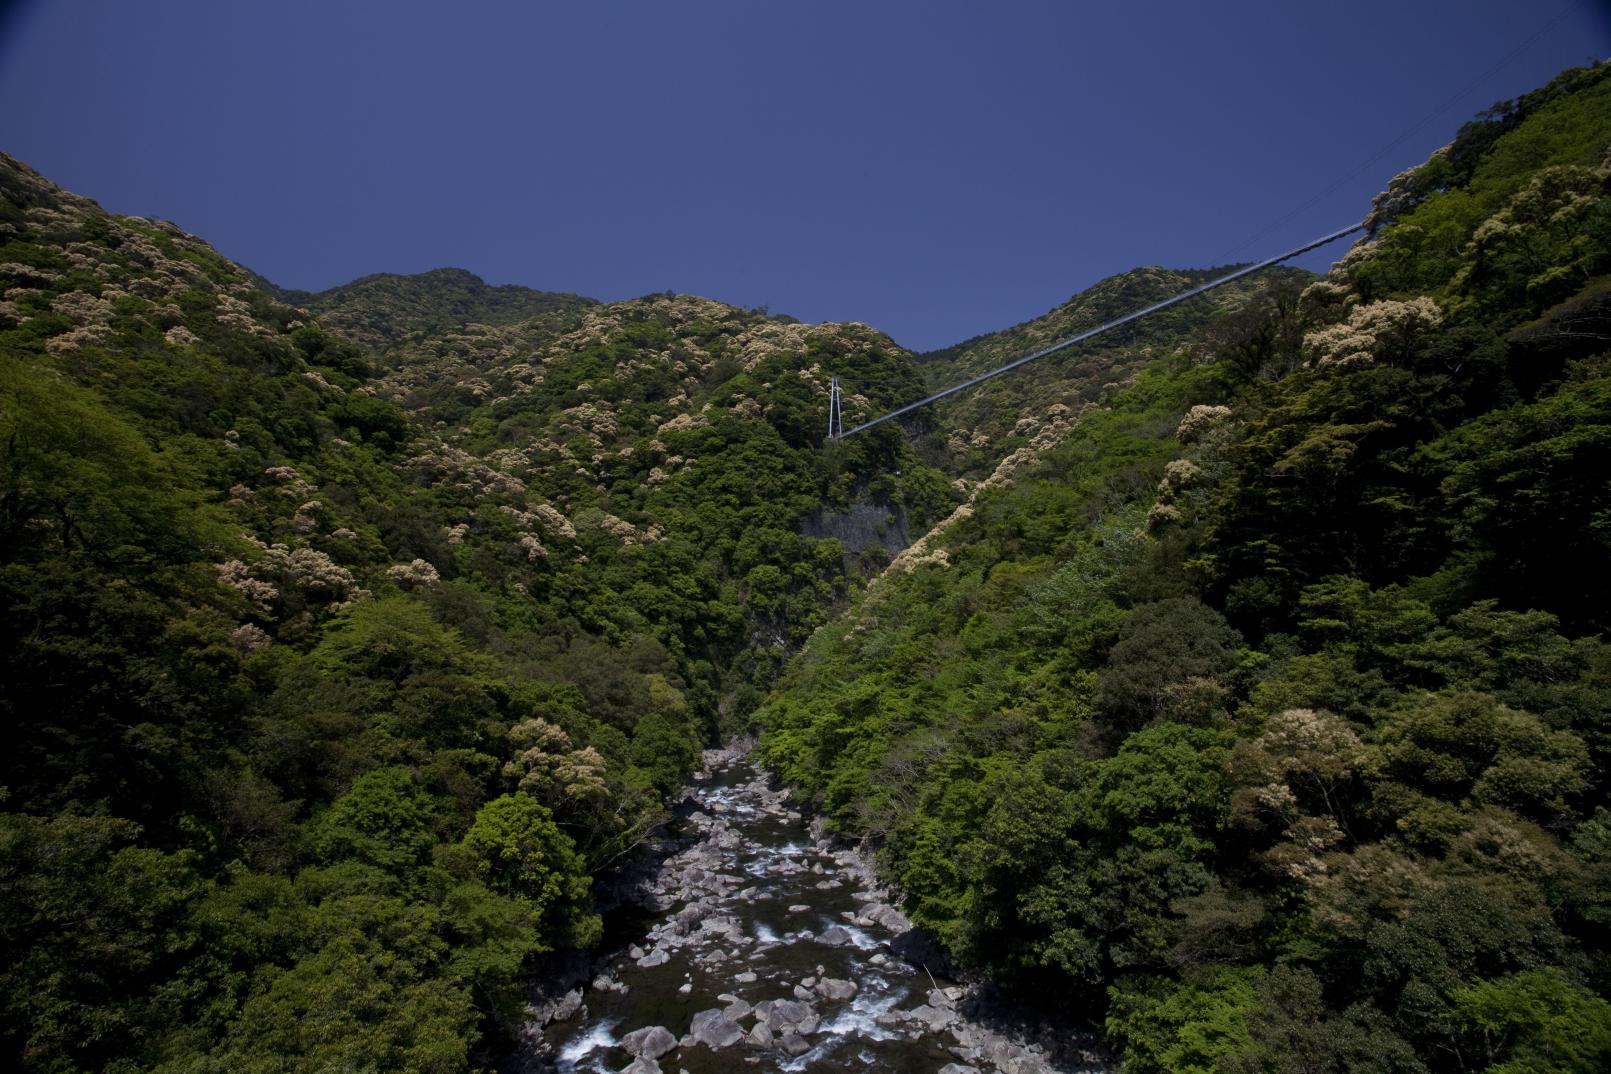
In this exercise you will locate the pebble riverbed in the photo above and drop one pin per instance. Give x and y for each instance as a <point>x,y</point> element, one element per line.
<point>772,948</point>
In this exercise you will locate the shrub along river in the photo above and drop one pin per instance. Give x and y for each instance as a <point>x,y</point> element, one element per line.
<point>769,947</point>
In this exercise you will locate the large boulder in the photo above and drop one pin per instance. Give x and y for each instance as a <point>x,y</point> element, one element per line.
<point>935,1017</point>
<point>562,1009</point>
<point>794,1043</point>
<point>650,1042</point>
<point>836,990</point>
<point>787,1012</point>
<point>689,917</point>
<point>834,936</point>
<point>887,916</point>
<point>714,1029</point>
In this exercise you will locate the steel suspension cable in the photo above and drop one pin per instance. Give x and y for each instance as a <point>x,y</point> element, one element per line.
<point>1099,329</point>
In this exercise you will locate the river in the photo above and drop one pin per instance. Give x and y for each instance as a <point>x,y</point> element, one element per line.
<point>771,948</point>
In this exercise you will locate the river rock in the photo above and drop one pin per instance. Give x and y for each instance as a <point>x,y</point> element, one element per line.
<point>723,925</point>
<point>834,936</point>
<point>650,1042</point>
<point>1004,1054</point>
<point>568,1006</point>
<point>747,977</point>
<point>654,958</point>
<point>941,998</point>
<point>1028,1064</point>
<point>935,1018</point>
<point>783,1014</point>
<point>836,989</point>
<point>801,992</point>
<point>690,916</point>
<point>714,1029</point>
<point>562,1009</point>
<point>794,1043</point>
<point>641,1065</point>
<point>895,921</point>
<point>798,908</point>
<point>958,1068</point>
<point>885,916</point>
<point>760,1036</point>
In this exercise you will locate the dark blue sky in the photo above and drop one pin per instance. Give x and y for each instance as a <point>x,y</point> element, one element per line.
<point>936,169</point>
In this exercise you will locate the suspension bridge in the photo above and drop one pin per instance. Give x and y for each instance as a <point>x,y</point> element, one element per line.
<point>837,431</point>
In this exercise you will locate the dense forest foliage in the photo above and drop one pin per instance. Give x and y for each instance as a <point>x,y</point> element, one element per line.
<point>386,308</point>
<point>1252,689</point>
<point>1268,711</point>
<point>971,433</point>
<point>343,654</point>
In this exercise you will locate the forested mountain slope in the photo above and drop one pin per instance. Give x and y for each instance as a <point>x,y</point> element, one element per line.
<point>335,670</point>
<point>969,434</point>
<point>385,308</point>
<point>1269,711</point>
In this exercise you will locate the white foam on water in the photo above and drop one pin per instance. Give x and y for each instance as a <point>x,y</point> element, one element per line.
<point>861,1017</point>
<point>860,938</point>
<point>764,934</point>
<point>597,1038</point>
<point>858,1020</point>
